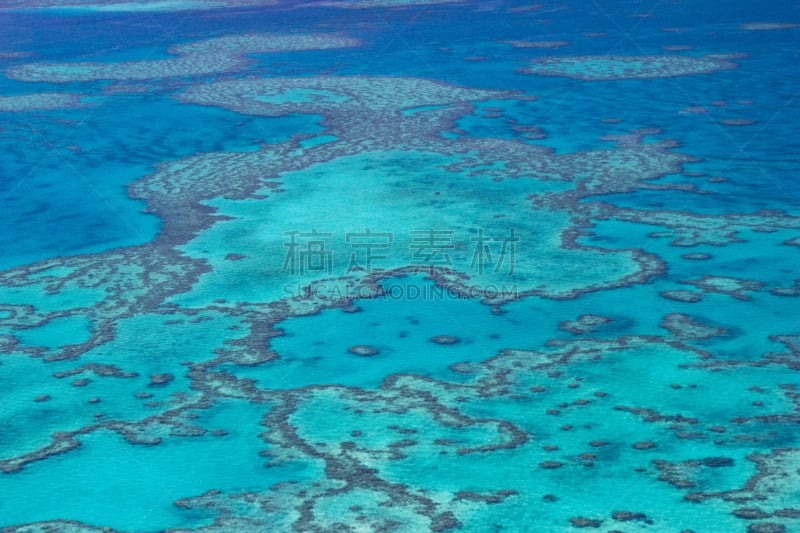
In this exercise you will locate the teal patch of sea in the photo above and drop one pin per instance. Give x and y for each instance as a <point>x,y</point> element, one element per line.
<point>402,326</point>
<point>112,483</point>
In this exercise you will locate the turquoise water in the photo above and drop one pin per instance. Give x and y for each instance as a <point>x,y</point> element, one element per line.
<point>399,265</point>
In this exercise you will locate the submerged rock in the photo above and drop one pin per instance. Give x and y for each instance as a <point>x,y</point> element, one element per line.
<point>363,350</point>
<point>766,527</point>
<point>580,521</point>
<point>445,339</point>
<point>160,380</point>
<point>750,513</point>
<point>716,462</point>
<point>629,516</point>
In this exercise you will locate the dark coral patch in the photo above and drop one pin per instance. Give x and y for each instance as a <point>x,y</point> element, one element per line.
<point>445,339</point>
<point>580,521</point>
<point>363,350</point>
<point>160,380</point>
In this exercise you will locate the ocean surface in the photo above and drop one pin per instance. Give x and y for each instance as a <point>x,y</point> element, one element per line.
<point>399,265</point>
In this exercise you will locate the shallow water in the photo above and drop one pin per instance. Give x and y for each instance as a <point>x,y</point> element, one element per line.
<point>399,265</point>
